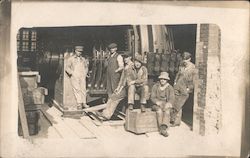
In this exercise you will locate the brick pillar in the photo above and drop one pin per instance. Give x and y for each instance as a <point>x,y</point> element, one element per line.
<point>207,98</point>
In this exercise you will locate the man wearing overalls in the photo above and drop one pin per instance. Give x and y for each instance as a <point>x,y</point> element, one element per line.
<point>114,69</point>
<point>77,69</point>
<point>183,86</point>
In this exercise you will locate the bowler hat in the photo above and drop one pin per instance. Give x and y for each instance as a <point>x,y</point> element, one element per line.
<point>79,48</point>
<point>112,45</point>
<point>139,58</point>
<point>164,75</point>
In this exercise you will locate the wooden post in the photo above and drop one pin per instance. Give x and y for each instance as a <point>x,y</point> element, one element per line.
<point>22,113</point>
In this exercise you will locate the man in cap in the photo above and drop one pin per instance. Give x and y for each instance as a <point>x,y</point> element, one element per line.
<point>163,97</point>
<point>183,86</point>
<point>77,69</point>
<point>114,69</point>
<point>120,92</point>
<point>137,81</point>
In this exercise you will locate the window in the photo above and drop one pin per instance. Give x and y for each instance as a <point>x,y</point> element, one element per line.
<point>25,35</point>
<point>18,36</point>
<point>33,36</point>
<point>33,46</point>
<point>25,46</point>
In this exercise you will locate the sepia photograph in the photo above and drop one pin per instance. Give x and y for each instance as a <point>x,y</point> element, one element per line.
<point>124,79</point>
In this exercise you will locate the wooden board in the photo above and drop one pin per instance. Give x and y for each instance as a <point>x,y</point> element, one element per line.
<point>80,130</point>
<point>87,123</point>
<point>67,127</point>
<point>54,117</point>
<point>22,114</point>
<point>95,108</point>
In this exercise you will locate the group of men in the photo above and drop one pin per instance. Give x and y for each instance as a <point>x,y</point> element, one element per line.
<point>127,76</point>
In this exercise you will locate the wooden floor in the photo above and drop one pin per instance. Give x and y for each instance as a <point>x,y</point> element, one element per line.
<point>53,125</point>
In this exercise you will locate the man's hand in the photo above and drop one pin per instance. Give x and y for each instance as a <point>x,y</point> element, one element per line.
<point>176,92</point>
<point>169,105</point>
<point>158,103</point>
<point>119,69</point>
<point>131,83</point>
<point>117,90</point>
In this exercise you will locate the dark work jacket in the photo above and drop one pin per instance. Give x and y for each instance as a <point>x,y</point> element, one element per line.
<point>162,95</point>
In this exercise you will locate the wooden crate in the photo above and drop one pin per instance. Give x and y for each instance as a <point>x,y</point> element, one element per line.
<point>35,96</point>
<point>138,122</point>
<point>29,80</point>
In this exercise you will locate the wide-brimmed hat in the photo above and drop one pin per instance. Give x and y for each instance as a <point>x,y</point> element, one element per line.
<point>112,45</point>
<point>164,75</point>
<point>140,59</point>
<point>79,48</point>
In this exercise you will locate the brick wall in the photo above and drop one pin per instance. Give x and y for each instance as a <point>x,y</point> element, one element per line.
<point>207,100</point>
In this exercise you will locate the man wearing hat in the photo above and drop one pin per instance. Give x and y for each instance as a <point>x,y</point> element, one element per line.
<point>183,86</point>
<point>137,81</point>
<point>120,92</point>
<point>77,69</point>
<point>114,69</point>
<point>163,98</point>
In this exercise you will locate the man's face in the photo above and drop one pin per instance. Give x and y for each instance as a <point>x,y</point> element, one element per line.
<point>163,81</point>
<point>137,64</point>
<point>127,59</point>
<point>113,50</point>
<point>78,53</point>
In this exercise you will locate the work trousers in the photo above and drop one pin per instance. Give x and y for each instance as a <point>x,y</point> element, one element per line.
<point>142,90</point>
<point>163,113</point>
<point>112,103</point>
<point>79,88</point>
<point>179,102</point>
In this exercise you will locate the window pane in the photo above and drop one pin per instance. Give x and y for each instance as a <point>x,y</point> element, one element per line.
<point>33,36</point>
<point>25,35</point>
<point>33,46</point>
<point>25,46</point>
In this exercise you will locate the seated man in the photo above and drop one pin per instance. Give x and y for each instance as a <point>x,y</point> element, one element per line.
<point>137,81</point>
<point>163,97</point>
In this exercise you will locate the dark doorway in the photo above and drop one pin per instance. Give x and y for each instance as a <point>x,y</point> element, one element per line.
<point>184,37</point>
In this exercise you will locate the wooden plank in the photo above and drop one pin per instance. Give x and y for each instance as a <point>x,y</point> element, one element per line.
<point>95,108</point>
<point>87,123</point>
<point>22,113</point>
<point>114,123</point>
<point>80,130</point>
<point>54,115</point>
<point>28,73</point>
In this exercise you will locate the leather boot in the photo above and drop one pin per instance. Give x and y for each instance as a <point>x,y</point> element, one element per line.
<point>130,106</point>
<point>143,108</point>
<point>163,130</point>
<point>79,106</point>
<point>84,105</point>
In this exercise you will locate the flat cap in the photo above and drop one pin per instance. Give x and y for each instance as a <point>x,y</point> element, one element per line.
<point>112,45</point>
